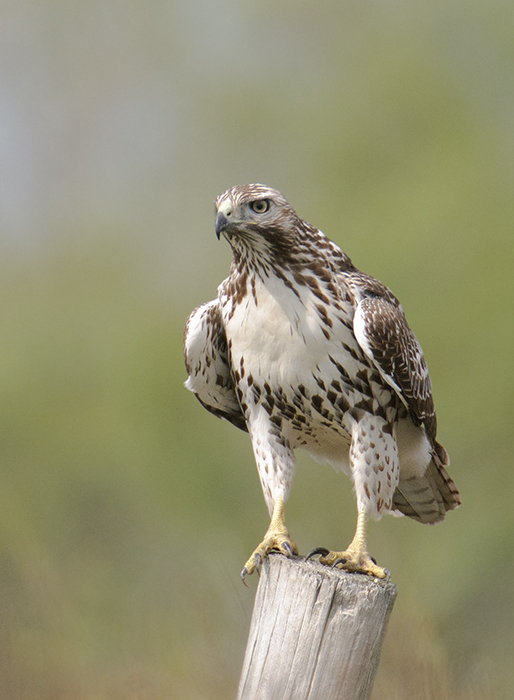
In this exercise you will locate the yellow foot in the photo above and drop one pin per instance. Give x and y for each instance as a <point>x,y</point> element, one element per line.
<point>276,538</point>
<point>273,541</point>
<point>353,560</point>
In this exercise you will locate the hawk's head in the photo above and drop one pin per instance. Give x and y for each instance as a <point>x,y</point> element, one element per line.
<point>256,219</point>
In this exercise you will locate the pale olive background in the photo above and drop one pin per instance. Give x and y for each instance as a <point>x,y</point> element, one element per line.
<point>126,510</point>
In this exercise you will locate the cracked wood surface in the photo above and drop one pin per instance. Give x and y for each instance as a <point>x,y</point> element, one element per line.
<point>316,633</point>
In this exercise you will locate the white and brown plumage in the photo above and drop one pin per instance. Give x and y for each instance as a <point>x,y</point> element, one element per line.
<point>301,349</point>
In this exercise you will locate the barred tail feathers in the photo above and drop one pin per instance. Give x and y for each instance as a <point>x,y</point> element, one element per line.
<point>428,498</point>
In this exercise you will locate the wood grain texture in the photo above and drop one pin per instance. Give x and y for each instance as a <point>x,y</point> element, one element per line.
<point>316,633</point>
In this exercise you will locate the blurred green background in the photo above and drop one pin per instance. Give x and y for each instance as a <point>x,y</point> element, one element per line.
<point>126,510</point>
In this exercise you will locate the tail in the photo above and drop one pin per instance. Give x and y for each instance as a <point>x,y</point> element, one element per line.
<point>428,498</point>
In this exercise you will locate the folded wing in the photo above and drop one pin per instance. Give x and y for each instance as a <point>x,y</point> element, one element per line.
<point>208,365</point>
<point>384,335</point>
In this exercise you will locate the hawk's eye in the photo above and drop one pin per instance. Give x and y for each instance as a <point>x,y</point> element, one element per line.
<point>260,206</point>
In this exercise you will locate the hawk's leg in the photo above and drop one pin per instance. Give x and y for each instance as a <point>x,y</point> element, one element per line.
<point>356,557</point>
<point>276,538</point>
<point>375,473</point>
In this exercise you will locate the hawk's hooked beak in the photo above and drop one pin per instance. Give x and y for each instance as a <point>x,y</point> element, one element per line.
<point>222,223</point>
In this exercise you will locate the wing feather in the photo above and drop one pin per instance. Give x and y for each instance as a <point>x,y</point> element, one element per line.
<point>385,337</point>
<point>208,365</point>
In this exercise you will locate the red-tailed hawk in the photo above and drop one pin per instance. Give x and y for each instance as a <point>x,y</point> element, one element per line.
<point>301,349</point>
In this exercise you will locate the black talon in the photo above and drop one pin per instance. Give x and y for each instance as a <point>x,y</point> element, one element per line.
<point>243,576</point>
<point>287,547</point>
<point>388,577</point>
<point>341,560</point>
<point>258,563</point>
<point>373,560</point>
<point>322,551</point>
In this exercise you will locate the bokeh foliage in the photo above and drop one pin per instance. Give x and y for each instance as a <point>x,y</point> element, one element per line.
<point>127,511</point>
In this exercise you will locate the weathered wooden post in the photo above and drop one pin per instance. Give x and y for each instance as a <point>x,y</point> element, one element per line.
<point>316,633</point>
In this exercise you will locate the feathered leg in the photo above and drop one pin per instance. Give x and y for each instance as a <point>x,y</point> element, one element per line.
<point>276,466</point>
<point>375,472</point>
